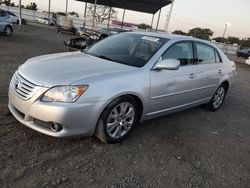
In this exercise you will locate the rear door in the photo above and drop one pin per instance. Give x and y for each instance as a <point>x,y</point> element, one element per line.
<point>209,69</point>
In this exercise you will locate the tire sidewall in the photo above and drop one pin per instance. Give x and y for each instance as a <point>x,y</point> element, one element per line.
<point>212,100</point>
<point>107,111</point>
<point>5,31</point>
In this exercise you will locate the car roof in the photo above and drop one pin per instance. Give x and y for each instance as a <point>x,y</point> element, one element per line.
<point>172,36</point>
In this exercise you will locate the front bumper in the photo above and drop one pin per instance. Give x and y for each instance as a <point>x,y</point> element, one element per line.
<point>76,119</point>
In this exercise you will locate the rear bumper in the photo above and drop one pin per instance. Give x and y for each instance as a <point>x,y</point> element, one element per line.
<point>76,119</point>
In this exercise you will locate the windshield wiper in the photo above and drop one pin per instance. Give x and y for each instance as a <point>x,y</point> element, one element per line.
<point>105,57</point>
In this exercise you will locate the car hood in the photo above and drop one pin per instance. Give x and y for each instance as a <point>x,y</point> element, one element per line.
<point>66,68</point>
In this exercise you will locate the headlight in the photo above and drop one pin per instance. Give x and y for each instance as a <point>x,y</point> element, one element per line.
<point>65,94</point>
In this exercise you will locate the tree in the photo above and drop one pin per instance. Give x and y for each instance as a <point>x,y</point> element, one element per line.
<point>7,3</point>
<point>74,14</point>
<point>102,12</point>
<point>219,39</point>
<point>179,32</point>
<point>233,40</point>
<point>201,33</point>
<point>32,6</point>
<point>144,26</point>
<point>245,43</point>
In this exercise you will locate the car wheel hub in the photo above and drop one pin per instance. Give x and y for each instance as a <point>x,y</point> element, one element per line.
<point>219,97</point>
<point>120,120</point>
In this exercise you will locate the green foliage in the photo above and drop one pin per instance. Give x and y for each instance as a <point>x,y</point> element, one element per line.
<point>7,3</point>
<point>219,39</point>
<point>179,32</point>
<point>233,40</point>
<point>245,43</point>
<point>32,6</point>
<point>201,33</point>
<point>144,26</point>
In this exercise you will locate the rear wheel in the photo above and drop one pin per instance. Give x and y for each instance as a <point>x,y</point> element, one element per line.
<point>8,31</point>
<point>218,98</point>
<point>117,120</point>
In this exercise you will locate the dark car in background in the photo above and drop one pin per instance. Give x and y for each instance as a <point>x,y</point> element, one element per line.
<point>244,53</point>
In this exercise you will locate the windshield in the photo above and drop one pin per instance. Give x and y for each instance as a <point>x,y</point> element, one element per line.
<point>127,48</point>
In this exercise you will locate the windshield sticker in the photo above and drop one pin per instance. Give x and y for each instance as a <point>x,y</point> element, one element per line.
<point>153,39</point>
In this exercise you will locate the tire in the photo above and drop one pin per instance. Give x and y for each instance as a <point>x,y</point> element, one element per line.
<point>114,126</point>
<point>8,31</point>
<point>218,98</point>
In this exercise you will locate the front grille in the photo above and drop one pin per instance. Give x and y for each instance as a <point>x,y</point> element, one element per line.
<point>22,87</point>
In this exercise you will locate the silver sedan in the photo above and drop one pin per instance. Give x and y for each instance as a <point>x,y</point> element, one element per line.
<point>120,81</point>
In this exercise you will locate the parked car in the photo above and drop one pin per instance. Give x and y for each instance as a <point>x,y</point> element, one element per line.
<point>15,19</point>
<point>122,80</point>
<point>45,21</point>
<point>89,37</point>
<point>244,53</point>
<point>5,23</point>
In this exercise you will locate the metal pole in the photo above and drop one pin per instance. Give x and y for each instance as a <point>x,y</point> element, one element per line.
<point>93,21</point>
<point>49,11</point>
<point>85,14</point>
<point>152,22</point>
<point>224,33</point>
<point>169,16</point>
<point>123,16</point>
<point>20,14</point>
<point>158,20</point>
<point>110,8</point>
<point>66,11</point>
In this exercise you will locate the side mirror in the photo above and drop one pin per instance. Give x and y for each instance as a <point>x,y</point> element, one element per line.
<point>167,64</point>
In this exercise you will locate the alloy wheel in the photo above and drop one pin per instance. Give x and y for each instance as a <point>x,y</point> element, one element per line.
<point>120,120</point>
<point>219,97</point>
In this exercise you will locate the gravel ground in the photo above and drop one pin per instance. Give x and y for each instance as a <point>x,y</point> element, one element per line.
<point>192,148</point>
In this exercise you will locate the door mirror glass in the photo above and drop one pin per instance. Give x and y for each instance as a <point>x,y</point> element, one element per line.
<point>167,64</point>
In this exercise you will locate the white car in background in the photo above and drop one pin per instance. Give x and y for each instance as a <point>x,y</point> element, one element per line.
<point>45,21</point>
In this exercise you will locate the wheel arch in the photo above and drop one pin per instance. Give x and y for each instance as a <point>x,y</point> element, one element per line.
<point>136,97</point>
<point>9,26</point>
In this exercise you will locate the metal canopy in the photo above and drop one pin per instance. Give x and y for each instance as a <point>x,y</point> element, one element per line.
<point>146,6</point>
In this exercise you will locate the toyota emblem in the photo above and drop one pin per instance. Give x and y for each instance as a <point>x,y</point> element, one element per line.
<point>18,84</point>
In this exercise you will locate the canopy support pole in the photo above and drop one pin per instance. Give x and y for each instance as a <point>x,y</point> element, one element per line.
<point>123,17</point>
<point>93,21</point>
<point>152,22</point>
<point>158,20</point>
<point>110,9</point>
<point>20,14</point>
<point>66,10</point>
<point>85,14</point>
<point>49,11</point>
<point>169,16</point>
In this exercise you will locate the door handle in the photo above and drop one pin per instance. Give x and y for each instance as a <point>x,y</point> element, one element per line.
<point>220,72</point>
<point>192,76</point>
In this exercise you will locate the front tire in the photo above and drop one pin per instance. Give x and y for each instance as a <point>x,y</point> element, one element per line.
<point>218,98</point>
<point>8,31</point>
<point>117,120</point>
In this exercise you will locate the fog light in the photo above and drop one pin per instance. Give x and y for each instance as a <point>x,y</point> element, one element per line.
<point>55,127</point>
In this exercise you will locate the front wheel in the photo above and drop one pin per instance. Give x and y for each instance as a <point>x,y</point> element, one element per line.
<point>8,31</point>
<point>117,120</point>
<point>218,98</point>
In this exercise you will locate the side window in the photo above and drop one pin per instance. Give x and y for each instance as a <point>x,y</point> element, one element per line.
<point>182,51</point>
<point>217,56</point>
<point>205,53</point>
<point>2,13</point>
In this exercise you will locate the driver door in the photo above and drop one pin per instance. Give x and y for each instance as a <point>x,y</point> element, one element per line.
<point>174,89</point>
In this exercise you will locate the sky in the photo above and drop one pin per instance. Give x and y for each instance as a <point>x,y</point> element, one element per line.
<point>187,14</point>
